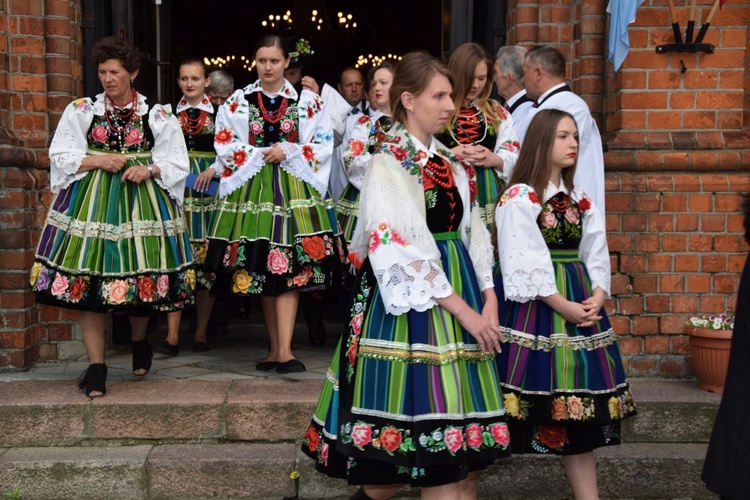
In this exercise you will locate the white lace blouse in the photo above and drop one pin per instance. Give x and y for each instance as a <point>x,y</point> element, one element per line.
<point>525,260</point>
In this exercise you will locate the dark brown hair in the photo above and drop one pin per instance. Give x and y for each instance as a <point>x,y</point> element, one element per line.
<point>463,65</point>
<point>115,47</point>
<point>271,41</point>
<point>550,59</point>
<point>194,60</point>
<point>413,74</point>
<point>533,165</point>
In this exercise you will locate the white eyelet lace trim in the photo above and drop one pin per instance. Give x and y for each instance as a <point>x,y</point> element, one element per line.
<point>522,286</point>
<point>413,286</point>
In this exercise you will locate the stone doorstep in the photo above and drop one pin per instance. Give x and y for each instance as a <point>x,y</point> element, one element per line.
<point>263,471</point>
<point>52,412</point>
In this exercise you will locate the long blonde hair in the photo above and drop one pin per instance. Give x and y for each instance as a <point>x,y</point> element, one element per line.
<point>535,160</point>
<point>463,64</point>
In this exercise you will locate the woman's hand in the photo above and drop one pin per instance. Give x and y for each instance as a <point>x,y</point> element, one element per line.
<point>204,180</point>
<point>487,333</point>
<point>479,156</point>
<point>573,312</point>
<point>274,154</point>
<point>138,173</point>
<point>594,304</point>
<point>110,162</point>
<point>490,309</point>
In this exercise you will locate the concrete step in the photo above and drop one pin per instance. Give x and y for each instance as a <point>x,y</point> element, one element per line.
<point>255,470</point>
<point>53,413</point>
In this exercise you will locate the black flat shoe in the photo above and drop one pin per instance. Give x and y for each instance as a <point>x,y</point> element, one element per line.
<point>94,379</point>
<point>200,347</point>
<point>291,366</point>
<point>266,366</point>
<point>142,354</point>
<point>168,349</point>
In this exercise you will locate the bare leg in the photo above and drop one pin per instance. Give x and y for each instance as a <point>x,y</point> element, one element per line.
<point>269,311</point>
<point>93,326</point>
<point>286,315</point>
<point>138,325</point>
<point>581,472</point>
<point>381,492</point>
<point>467,489</point>
<point>444,492</point>
<point>173,327</point>
<point>204,303</point>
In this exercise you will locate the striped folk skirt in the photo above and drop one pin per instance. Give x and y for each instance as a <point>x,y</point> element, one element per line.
<point>199,208</point>
<point>564,386</point>
<point>489,188</point>
<point>111,245</point>
<point>346,211</point>
<point>409,398</point>
<point>273,235</point>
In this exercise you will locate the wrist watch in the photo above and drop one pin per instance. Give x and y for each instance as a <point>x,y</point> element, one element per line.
<point>150,169</point>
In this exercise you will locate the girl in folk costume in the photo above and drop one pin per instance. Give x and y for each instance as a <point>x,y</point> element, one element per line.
<point>274,232</point>
<point>412,395</point>
<point>196,113</point>
<point>480,131</point>
<point>563,382</point>
<point>366,135</point>
<point>115,237</point>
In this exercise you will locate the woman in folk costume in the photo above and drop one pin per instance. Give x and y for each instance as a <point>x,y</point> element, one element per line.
<point>412,395</point>
<point>366,135</point>
<point>274,232</point>
<point>115,237</point>
<point>480,131</point>
<point>563,382</point>
<point>196,115</point>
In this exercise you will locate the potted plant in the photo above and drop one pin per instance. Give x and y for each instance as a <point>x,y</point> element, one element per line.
<point>710,340</point>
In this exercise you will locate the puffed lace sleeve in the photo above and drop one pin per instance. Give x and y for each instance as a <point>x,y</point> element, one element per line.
<point>236,159</point>
<point>169,152</point>
<point>357,153</point>
<point>525,261</point>
<point>507,146</point>
<point>310,159</point>
<point>593,250</point>
<point>402,252</point>
<point>68,146</point>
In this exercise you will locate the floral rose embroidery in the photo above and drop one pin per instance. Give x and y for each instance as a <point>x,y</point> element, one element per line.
<point>286,126</point>
<point>146,288</point>
<point>513,192</point>
<point>99,134</point>
<point>310,112</point>
<point>223,136</point>
<point>472,191</point>
<point>314,247</point>
<point>293,136</point>
<point>256,128</point>
<point>304,276</point>
<point>77,288</point>
<point>134,137</point>
<point>351,353</point>
<point>552,437</point>
<point>307,152</point>
<point>239,157</point>
<point>454,439</point>
<point>162,285</point>
<point>501,434</point>
<point>474,436</point>
<point>614,406</point>
<point>59,286</point>
<point>363,119</point>
<point>324,454</point>
<point>559,409</point>
<point>241,281</point>
<point>427,181</point>
<point>399,153</point>
<point>357,322</point>
<point>313,438</point>
<point>190,278</point>
<point>357,147</point>
<point>575,407</point>
<point>42,282</point>
<point>361,435</point>
<point>510,401</point>
<point>233,107</point>
<point>118,290</point>
<point>549,220</point>
<point>584,205</point>
<point>390,439</point>
<point>533,197</point>
<point>35,270</point>
<point>571,216</point>
<point>277,261</point>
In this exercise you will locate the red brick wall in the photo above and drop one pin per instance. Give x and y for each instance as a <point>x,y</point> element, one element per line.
<point>676,163</point>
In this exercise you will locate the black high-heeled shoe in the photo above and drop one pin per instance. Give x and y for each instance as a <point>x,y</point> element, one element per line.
<point>142,354</point>
<point>94,379</point>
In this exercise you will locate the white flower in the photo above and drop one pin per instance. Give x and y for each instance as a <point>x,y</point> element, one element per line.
<point>717,323</point>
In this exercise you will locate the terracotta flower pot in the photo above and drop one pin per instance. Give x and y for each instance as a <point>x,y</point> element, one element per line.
<point>710,349</point>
